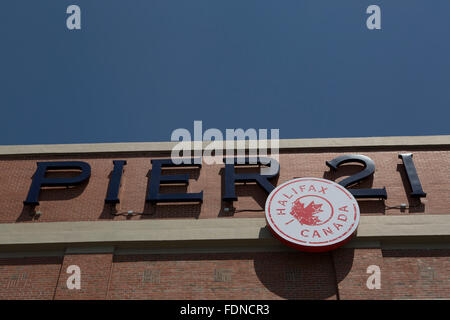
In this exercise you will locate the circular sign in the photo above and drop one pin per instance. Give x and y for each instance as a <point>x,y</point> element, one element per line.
<point>312,214</point>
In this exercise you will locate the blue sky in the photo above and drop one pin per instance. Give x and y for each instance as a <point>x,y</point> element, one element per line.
<point>139,69</point>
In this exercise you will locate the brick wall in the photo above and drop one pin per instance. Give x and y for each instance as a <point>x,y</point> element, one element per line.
<point>29,278</point>
<point>418,274</point>
<point>86,202</point>
<point>341,274</point>
<point>95,274</point>
<point>351,272</point>
<point>224,276</point>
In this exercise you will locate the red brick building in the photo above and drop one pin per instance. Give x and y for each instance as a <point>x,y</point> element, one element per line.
<point>219,250</point>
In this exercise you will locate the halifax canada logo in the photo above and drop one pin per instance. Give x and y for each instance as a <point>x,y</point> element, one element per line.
<point>312,214</point>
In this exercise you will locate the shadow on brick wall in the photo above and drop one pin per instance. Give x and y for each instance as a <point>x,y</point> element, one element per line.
<point>51,194</point>
<point>161,210</point>
<point>414,204</point>
<point>300,275</point>
<point>372,206</point>
<point>244,275</point>
<point>397,253</point>
<point>244,192</point>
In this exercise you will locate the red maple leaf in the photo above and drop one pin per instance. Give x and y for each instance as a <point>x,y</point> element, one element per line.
<point>306,215</point>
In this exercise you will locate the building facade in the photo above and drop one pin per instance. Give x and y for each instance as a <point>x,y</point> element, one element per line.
<point>216,249</point>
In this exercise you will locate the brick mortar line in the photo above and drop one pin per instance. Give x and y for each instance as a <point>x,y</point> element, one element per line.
<point>333,265</point>
<point>111,269</point>
<point>59,276</point>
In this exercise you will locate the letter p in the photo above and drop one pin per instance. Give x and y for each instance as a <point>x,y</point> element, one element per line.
<point>39,179</point>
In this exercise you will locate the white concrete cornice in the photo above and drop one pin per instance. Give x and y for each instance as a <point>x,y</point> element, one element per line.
<point>210,235</point>
<point>284,144</point>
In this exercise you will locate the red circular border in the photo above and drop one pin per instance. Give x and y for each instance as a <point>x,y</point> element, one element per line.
<point>311,248</point>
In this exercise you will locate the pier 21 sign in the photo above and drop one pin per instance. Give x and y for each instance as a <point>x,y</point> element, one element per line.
<point>157,179</point>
